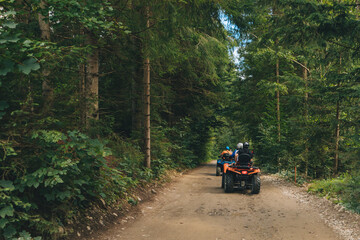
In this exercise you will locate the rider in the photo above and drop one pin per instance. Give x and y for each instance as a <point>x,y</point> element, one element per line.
<point>246,149</point>
<point>226,151</point>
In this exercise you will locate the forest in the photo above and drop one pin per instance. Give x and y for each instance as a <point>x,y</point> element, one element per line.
<point>98,97</point>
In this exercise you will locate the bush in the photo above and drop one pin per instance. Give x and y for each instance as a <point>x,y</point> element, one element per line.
<point>49,177</point>
<point>351,196</point>
<point>344,189</point>
<point>53,175</point>
<point>290,176</point>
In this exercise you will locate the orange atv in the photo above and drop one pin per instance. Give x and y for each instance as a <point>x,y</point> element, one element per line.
<point>241,175</point>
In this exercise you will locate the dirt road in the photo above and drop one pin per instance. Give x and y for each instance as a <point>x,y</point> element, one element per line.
<point>195,207</point>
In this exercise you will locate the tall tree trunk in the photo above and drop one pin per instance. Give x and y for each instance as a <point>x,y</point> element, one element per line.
<point>275,12</point>
<point>337,138</point>
<point>306,157</point>
<point>147,99</point>
<point>278,109</point>
<point>92,83</point>
<point>147,112</point>
<point>278,100</point>
<point>47,91</point>
<point>337,130</point>
<point>277,72</point>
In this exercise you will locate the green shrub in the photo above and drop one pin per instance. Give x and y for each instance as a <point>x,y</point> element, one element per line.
<point>290,176</point>
<point>351,196</point>
<point>344,189</point>
<point>49,177</point>
<point>329,188</point>
<point>53,175</point>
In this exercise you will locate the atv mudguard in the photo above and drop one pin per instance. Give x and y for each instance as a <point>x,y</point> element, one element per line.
<point>226,165</point>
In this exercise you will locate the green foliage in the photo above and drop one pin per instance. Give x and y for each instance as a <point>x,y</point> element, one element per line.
<point>352,193</point>
<point>132,201</point>
<point>11,40</point>
<point>308,104</point>
<point>29,65</point>
<point>200,101</point>
<point>56,174</point>
<point>290,176</point>
<point>343,189</point>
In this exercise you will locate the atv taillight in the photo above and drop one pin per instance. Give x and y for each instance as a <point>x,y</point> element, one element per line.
<point>243,172</point>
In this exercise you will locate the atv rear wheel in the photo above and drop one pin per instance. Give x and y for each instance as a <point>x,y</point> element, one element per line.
<point>229,183</point>
<point>218,171</point>
<point>223,180</point>
<point>255,188</point>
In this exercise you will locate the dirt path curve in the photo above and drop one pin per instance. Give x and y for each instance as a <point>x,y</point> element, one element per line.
<point>195,207</point>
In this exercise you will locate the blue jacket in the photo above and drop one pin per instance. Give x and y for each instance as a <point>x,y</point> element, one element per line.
<point>233,154</point>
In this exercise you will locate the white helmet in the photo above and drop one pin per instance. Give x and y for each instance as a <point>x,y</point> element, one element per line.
<point>239,146</point>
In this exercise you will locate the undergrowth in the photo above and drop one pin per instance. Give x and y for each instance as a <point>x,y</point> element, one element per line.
<point>290,176</point>
<point>50,177</point>
<point>344,189</point>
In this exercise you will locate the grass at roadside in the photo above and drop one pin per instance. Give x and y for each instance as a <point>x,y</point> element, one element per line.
<point>344,190</point>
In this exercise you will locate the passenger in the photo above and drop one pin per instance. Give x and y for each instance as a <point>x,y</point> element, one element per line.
<point>239,146</point>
